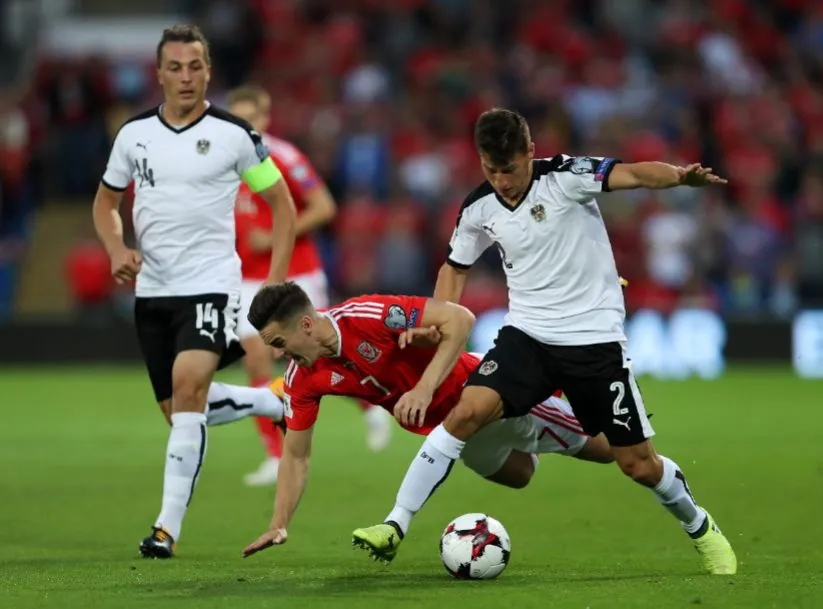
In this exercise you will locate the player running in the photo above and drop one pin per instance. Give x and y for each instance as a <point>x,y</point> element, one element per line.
<point>315,209</point>
<point>187,159</point>
<point>565,326</point>
<point>399,352</point>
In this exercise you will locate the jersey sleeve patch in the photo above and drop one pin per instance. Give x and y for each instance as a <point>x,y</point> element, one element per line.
<point>395,318</point>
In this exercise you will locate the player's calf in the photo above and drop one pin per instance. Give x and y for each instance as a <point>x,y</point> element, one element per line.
<point>517,471</point>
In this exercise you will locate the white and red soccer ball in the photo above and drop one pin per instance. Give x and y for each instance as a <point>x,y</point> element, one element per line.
<point>475,546</point>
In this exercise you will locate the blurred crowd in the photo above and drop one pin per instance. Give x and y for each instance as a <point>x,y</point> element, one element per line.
<point>382,96</point>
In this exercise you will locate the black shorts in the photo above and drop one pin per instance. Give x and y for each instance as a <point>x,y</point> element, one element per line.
<point>596,379</point>
<point>169,325</point>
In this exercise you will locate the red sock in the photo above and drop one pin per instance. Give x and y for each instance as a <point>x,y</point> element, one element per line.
<point>269,432</point>
<point>364,406</point>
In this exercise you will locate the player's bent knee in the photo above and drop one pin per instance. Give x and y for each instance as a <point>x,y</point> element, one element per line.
<point>191,377</point>
<point>478,406</point>
<point>640,463</point>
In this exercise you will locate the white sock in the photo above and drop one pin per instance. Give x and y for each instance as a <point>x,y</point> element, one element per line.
<point>184,458</point>
<point>674,493</point>
<point>429,469</point>
<point>230,403</point>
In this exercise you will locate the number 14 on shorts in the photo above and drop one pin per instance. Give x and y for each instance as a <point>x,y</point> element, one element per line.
<point>207,317</point>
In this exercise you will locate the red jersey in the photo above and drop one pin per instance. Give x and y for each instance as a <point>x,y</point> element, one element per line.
<point>251,211</point>
<point>370,365</point>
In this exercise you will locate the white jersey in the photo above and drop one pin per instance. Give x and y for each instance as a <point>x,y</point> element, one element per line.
<point>563,283</point>
<point>185,187</point>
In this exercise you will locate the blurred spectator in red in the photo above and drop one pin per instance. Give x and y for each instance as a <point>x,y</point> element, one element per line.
<point>88,274</point>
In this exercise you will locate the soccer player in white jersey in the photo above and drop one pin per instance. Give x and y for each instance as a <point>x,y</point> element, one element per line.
<point>187,159</point>
<point>564,328</point>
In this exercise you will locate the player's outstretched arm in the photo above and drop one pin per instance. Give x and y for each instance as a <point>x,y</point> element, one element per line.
<point>656,175</point>
<point>285,222</point>
<point>454,323</point>
<point>450,283</point>
<point>291,482</point>
<point>125,262</point>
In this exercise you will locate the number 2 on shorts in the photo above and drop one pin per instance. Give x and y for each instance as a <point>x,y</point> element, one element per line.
<point>620,388</point>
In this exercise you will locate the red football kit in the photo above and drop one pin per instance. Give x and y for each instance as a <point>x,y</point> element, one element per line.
<point>251,212</point>
<point>370,365</point>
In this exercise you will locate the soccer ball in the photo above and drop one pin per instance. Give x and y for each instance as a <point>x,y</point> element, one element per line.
<point>475,546</point>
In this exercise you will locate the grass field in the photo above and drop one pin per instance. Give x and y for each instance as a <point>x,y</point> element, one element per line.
<point>81,457</point>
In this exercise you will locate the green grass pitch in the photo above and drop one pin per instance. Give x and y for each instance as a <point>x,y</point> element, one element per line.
<point>81,457</point>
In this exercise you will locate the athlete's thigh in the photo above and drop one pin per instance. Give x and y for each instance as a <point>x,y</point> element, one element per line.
<point>603,393</point>
<point>487,450</point>
<point>248,290</point>
<point>153,320</point>
<point>208,322</point>
<point>516,368</point>
<point>316,287</point>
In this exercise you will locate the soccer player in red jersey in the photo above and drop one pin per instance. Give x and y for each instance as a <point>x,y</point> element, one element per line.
<point>404,353</point>
<point>253,220</point>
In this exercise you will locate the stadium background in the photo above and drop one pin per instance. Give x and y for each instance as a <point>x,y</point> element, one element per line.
<point>382,97</point>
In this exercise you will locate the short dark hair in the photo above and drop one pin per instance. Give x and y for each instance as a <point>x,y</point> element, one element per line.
<point>182,33</point>
<point>278,303</point>
<point>501,135</point>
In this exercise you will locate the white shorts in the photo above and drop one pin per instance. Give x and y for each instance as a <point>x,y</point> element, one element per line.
<point>314,284</point>
<point>549,428</point>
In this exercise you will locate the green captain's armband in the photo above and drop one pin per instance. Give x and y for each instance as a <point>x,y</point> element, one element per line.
<point>262,176</point>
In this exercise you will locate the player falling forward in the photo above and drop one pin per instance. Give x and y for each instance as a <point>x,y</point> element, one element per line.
<point>187,159</point>
<point>565,326</point>
<point>370,348</point>
<point>315,208</point>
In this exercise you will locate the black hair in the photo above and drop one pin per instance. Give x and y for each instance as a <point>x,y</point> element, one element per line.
<point>279,303</point>
<point>182,33</point>
<point>501,135</point>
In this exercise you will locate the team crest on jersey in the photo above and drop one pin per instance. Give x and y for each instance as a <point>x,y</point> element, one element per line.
<point>395,318</point>
<point>538,212</point>
<point>203,146</point>
<point>487,368</point>
<point>369,352</point>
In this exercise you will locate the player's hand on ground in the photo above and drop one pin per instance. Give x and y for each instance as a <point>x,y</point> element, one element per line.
<point>125,264</point>
<point>697,175</point>
<point>419,337</point>
<point>272,537</point>
<point>410,409</point>
<point>259,240</point>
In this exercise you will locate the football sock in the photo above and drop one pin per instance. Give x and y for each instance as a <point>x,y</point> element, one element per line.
<point>184,459</point>
<point>230,403</point>
<point>429,470</point>
<point>673,492</point>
